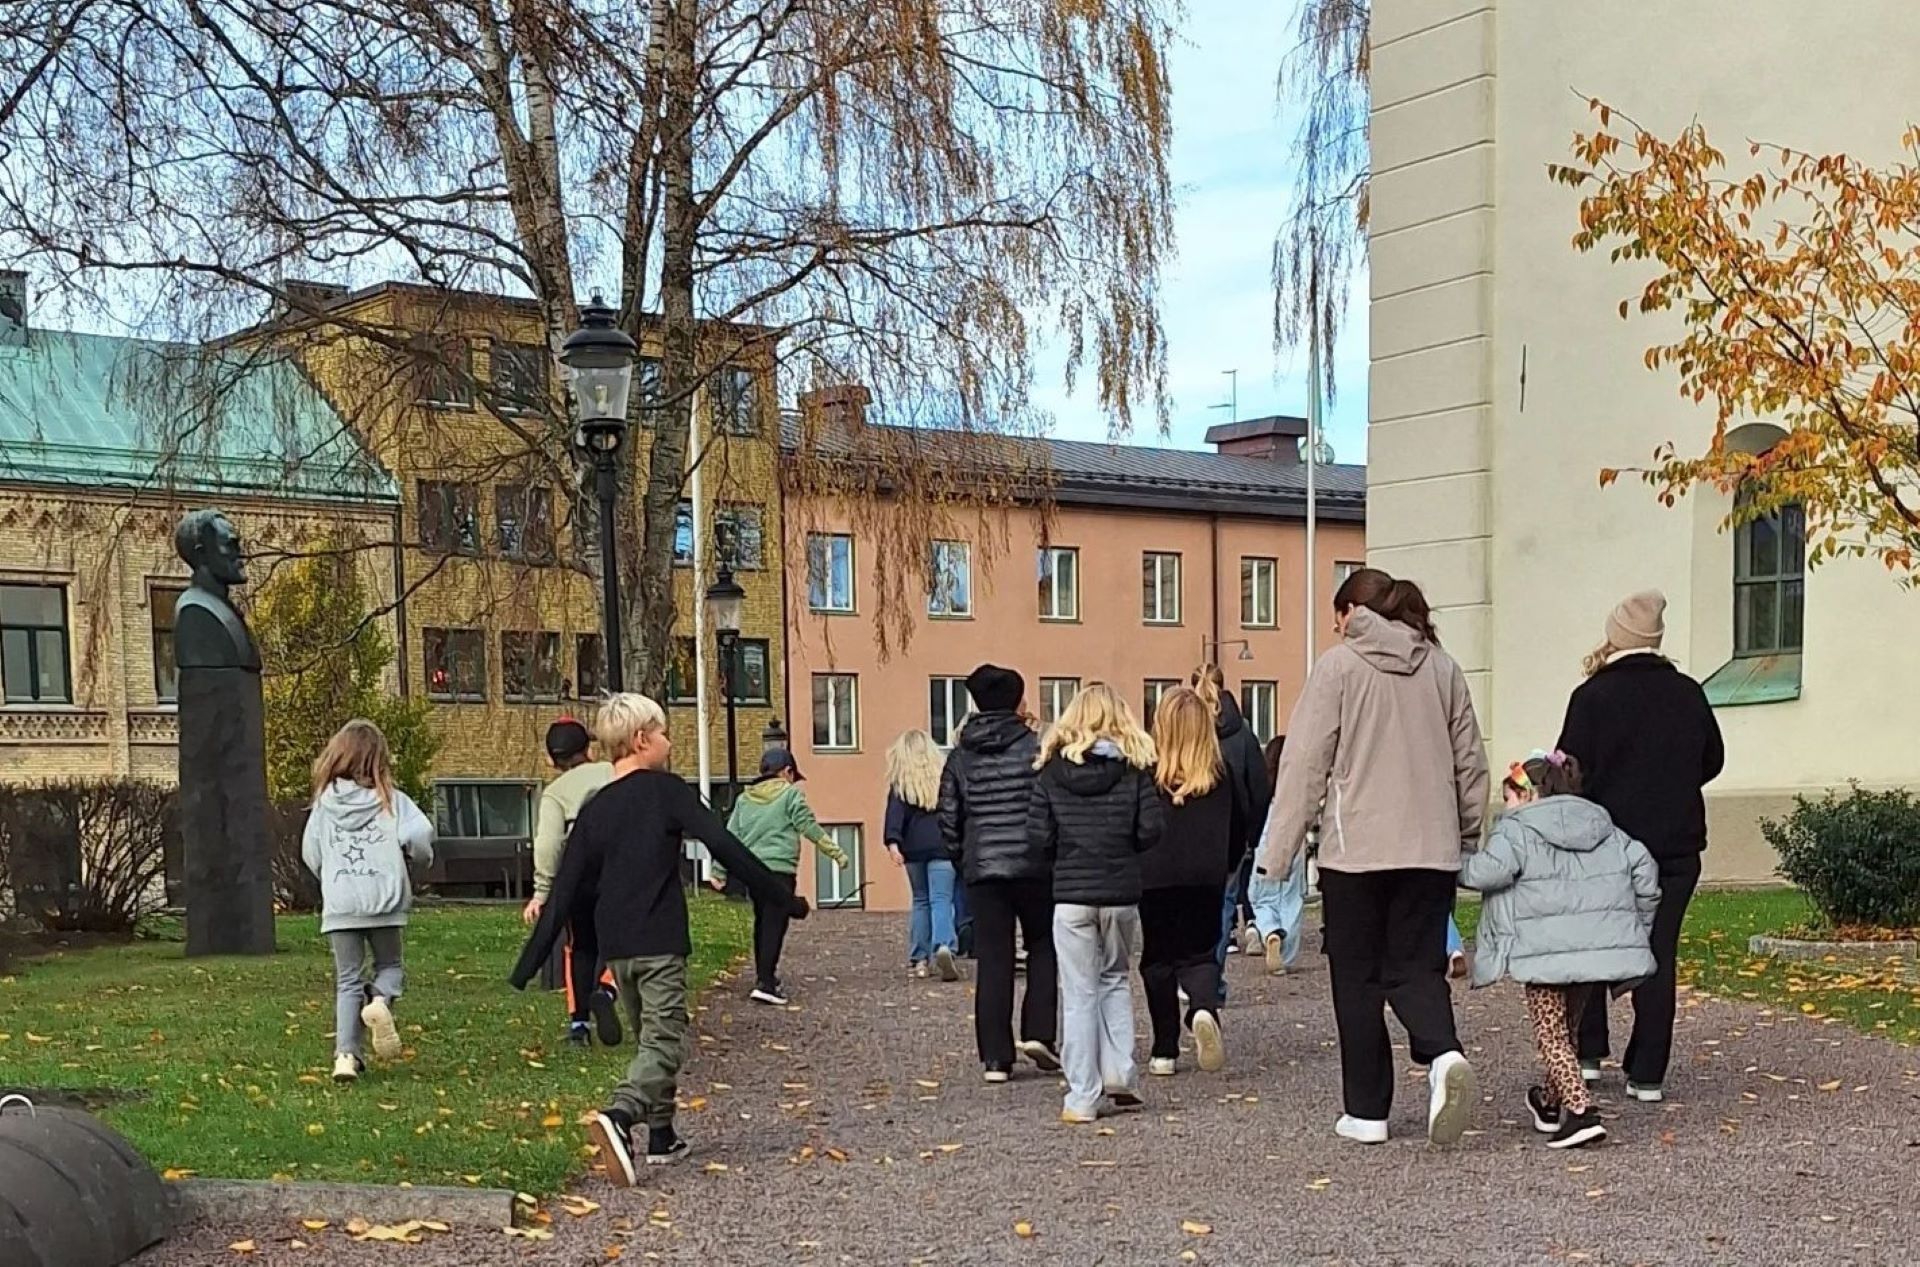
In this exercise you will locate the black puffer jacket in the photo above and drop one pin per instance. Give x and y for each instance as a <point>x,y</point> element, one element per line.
<point>1247,764</point>
<point>983,800</point>
<point>1202,842</point>
<point>1094,820</point>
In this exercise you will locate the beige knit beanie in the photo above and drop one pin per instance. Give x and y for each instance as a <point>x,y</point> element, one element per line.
<point>1639,622</point>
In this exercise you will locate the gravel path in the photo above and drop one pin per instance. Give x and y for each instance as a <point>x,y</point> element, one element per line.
<point>853,1128</point>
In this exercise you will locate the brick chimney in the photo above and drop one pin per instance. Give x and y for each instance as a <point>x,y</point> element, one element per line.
<point>841,406</point>
<point>1275,438</point>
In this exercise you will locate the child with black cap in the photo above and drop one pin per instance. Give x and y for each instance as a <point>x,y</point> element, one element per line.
<point>568,747</point>
<point>772,818</point>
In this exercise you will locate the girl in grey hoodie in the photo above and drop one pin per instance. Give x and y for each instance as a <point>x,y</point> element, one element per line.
<point>362,835</point>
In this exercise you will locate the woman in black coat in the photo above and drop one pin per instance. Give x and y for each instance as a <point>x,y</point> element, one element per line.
<point>1246,765</point>
<point>1647,742</point>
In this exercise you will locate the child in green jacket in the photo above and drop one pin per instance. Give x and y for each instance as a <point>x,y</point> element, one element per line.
<point>771,818</point>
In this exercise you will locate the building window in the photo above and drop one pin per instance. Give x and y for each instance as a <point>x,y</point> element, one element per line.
<point>1341,571</point>
<point>829,572</point>
<point>950,579</point>
<point>833,884</point>
<point>1055,694</point>
<point>947,706</point>
<point>483,811</point>
<point>446,365</point>
<point>523,521</point>
<point>520,377</point>
<point>752,681</point>
<point>1059,583</point>
<point>589,666</point>
<point>1259,702</point>
<point>160,603</point>
<point>1257,580</point>
<point>739,536</point>
<point>733,402</point>
<point>530,667</point>
<point>1769,585</point>
<point>1156,690</point>
<point>836,709</point>
<point>34,646</point>
<point>456,664</point>
<point>649,385</point>
<point>449,517</point>
<point>1160,588</point>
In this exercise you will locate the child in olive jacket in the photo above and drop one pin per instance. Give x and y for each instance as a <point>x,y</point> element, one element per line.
<point>771,818</point>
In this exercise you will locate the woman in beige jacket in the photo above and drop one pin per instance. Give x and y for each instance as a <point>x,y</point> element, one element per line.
<point>1385,730</point>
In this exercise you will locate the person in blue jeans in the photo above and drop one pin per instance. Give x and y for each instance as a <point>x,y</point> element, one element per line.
<point>1280,905</point>
<point>1456,951</point>
<point>913,838</point>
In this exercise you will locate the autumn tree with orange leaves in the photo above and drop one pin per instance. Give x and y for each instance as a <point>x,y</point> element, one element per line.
<point>1798,293</point>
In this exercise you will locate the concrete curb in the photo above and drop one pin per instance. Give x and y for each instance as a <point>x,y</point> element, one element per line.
<point>1795,948</point>
<point>250,1201</point>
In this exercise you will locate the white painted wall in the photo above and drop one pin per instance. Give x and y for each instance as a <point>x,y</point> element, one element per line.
<point>1497,508</point>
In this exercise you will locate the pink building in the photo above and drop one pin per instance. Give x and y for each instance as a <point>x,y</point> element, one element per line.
<point>1156,560</point>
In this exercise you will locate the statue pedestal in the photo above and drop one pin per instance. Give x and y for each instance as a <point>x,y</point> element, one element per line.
<point>228,848</point>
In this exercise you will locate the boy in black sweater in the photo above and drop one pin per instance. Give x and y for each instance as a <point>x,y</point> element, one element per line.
<point>622,869</point>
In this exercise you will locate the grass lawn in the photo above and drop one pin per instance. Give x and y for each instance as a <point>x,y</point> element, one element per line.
<point>1866,993</point>
<point>221,1066</point>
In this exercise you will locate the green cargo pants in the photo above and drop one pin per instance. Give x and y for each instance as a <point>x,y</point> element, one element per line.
<point>655,990</point>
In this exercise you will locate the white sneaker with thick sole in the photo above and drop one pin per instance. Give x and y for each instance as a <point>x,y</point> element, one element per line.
<point>346,1068</point>
<point>1360,1130</point>
<point>1250,940</point>
<point>944,964</point>
<point>377,1016</point>
<point>1646,1093</point>
<point>1161,1067</point>
<point>1589,1071</point>
<point>1451,1102</point>
<point>1210,1049</point>
<point>1276,947</point>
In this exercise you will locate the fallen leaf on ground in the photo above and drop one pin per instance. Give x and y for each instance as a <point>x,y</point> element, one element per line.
<point>238,1247</point>
<point>1830,1086</point>
<point>552,1120</point>
<point>948,1148</point>
<point>314,1225</point>
<point>925,1085</point>
<point>1319,1185</point>
<point>578,1207</point>
<point>715,1168</point>
<point>836,1154</point>
<point>1596,1192</point>
<point>173,1174</point>
<point>529,1233</point>
<point>1192,1228</point>
<point>1188,1256</point>
<point>356,1226</point>
<point>1023,1230</point>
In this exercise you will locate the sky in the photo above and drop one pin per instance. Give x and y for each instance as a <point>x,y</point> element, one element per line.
<point>1232,169</point>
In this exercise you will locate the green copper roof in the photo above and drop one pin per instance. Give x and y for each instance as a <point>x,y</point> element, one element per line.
<point>92,410</point>
<point>1766,679</point>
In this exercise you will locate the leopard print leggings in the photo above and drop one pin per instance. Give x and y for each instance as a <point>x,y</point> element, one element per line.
<point>1554,1011</point>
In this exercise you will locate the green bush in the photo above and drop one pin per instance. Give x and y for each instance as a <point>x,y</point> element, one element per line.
<point>1857,856</point>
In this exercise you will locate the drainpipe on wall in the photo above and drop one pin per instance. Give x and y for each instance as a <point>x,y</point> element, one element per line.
<point>400,642</point>
<point>1213,533</point>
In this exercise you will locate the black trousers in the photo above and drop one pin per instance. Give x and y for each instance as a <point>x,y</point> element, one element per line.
<point>1386,941</point>
<point>584,967</point>
<point>1651,1046</point>
<point>770,922</point>
<point>1178,933</point>
<point>997,906</point>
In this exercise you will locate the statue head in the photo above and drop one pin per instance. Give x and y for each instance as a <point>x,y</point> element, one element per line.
<point>210,544</point>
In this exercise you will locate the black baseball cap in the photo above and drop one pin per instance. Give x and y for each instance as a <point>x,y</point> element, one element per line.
<point>567,738</point>
<point>777,761</point>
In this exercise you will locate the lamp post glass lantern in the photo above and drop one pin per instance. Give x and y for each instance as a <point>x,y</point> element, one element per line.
<point>599,359</point>
<point>725,599</point>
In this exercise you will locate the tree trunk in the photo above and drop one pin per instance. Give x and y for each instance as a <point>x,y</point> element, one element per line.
<point>650,599</point>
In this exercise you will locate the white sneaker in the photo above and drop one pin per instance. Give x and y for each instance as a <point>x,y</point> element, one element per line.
<point>1589,1071</point>
<point>1360,1130</point>
<point>346,1067</point>
<point>1210,1047</point>
<point>1250,940</point>
<point>1451,1102</point>
<point>1646,1092</point>
<point>1276,947</point>
<point>1161,1067</point>
<point>377,1016</point>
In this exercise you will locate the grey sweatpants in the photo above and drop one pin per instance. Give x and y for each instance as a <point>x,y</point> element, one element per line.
<point>1095,947</point>
<point>351,949</point>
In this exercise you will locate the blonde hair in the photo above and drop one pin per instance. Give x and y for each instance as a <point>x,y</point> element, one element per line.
<point>1190,763</point>
<point>623,719</point>
<point>1096,713</point>
<point>358,753</point>
<point>1209,683</point>
<point>913,769</point>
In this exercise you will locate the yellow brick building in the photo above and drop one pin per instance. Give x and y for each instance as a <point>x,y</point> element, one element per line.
<point>497,570</point>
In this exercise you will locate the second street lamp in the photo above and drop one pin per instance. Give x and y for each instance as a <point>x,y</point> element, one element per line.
<point>725,599</point>
<point>599,359</point>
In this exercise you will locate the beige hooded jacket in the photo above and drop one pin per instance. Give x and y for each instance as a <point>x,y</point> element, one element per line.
<point>1385,731</point>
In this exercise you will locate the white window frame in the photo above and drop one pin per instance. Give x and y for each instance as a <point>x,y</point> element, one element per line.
<point>834,605</point>
<point>1051,608</point>
<point>1160,587</point>
<point>1251,566</point>
<point>952,693</point>
<point>944,549</point>
<point>1342,570</point>
<point>846,890</point>
<point>1249,692</point>
<point>835,707</point>
<point>1055,694</point>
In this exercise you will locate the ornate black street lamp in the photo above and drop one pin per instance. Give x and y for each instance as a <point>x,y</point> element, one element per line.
<point>725,599</point>
<point>599,359</point>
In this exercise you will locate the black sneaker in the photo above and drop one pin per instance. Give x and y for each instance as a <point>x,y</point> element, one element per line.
<point>1546,1116</point>
<point>1578,1129</point>
<point>664,1147</point>
<point>612,1130</point>
<point>606,1017</point>
<point>577,1035</point>
<point>1043,1056</point>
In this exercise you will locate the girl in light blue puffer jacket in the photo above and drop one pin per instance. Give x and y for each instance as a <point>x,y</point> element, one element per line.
<point>1569,906</point>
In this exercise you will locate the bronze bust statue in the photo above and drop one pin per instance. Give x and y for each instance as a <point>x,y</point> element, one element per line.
<point>223,749</point>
